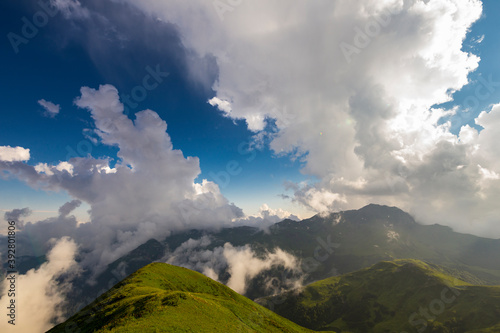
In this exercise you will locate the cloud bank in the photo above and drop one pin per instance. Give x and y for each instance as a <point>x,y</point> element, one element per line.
<point>353,88</point>
<point>149,192</point>
<point>241,262</point>
<point>40,299</point>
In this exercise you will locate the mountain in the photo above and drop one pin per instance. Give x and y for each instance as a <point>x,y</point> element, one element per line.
<point>327,245</point>
<point>396,296</point>
<point>375,233</point>
<point>165,298</point>
<point>347,241</point>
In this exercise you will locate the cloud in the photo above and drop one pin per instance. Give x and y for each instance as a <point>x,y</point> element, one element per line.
<point>316,198</point>
<point>34,238</point>
<point>359,81</point>
<point>267,212</point>
<point>71,8</point>
<point>363,123</point>
<point>241,262</point>
<point>244,265</point>
<point>14,154</point>
<point>194,255</point>
<point>40,293</point>
<point>224,106</point>
<point>479,39</point>
<point>254,122</point>
<point>51,109</point>
<point>266,217</point>
<point>148,193</point>
<point>68,207</point>
<point>106,26</point>
<point>16,214</point>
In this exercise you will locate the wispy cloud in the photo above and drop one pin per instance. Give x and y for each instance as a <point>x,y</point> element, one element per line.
<point>51,109</point>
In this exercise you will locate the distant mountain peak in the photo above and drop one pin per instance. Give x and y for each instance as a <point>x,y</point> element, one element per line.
<point>379,212</point>
<point>376,208</point>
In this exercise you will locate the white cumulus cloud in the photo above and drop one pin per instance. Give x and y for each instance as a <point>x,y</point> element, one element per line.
<point>360,81</point>
<point>14,154</point>
<point>149,193</point>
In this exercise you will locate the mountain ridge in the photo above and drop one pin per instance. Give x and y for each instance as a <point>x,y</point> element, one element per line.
<point>167,298</point>
<point>392,296</point>
<point>364,237</point>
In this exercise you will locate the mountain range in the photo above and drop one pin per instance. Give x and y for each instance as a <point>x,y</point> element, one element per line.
<point>326,246</point>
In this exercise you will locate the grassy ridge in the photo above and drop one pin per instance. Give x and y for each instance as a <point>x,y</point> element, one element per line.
<point>166,298</point>
<point>396,296</point>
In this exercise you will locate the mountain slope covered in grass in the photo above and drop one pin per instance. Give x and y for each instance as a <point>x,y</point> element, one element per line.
<point>165,298</point>
<point>395,296</point>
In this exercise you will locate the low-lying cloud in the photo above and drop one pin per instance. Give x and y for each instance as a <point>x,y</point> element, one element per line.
<point>241,262</point>
<point>40,293</point>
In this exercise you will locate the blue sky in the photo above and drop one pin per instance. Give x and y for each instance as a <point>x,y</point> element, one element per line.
<point>488,50</point>
<point>52,66</point>
<point>303,167</point>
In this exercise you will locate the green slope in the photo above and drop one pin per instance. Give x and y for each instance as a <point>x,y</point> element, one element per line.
<point>396,296</point>
<point>166,298</point>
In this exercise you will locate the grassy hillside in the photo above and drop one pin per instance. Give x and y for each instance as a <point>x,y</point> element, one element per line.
<point>397,296</point>
<point>166,298</point>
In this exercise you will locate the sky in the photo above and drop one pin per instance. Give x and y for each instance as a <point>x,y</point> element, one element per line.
<point>72,51</point>
<point>300,107</point>
<point>123,120</point>
<point>303,108</point>
<point>289,108</point>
